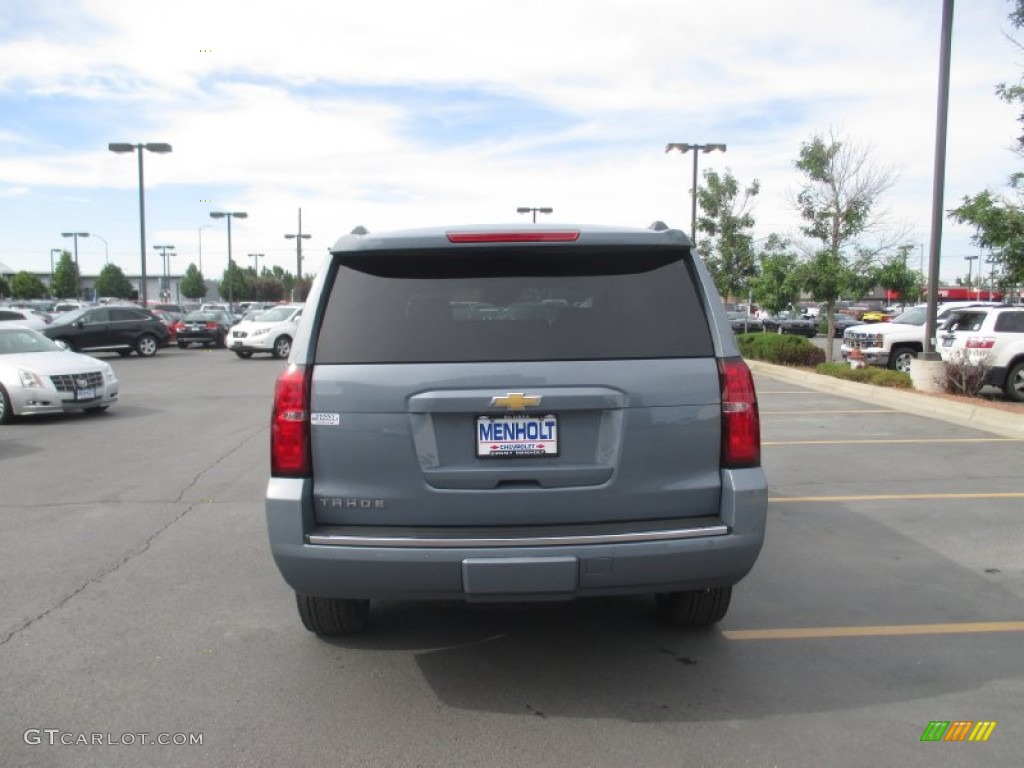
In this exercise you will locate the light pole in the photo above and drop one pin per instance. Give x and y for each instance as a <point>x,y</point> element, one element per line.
<point>970,263</point>
<point>75,235</point>
<point>298,237</point>
<point>53,251</point>
<point>106,249</point>
<point>991,261</point>
<point>534,211</point>
<point>165,282</point>
<point>229,215</point>
<point>683,149</point>
<point>256,257</point>
<point>200,230</point>
<point>160,148</point>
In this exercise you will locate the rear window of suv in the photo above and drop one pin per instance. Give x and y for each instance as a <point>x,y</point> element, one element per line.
<point>509,304</point>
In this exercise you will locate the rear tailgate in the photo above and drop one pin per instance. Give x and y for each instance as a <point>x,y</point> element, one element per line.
<point>504,386</point>
<point>633,443</point>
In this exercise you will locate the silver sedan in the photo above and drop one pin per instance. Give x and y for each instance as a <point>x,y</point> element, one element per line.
<point>37,376</point>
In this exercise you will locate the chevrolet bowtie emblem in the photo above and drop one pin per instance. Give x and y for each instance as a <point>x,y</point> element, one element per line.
<point>515,401</point>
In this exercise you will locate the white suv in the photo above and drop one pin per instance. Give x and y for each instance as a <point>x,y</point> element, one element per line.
<point>990,335</point>
<point>270,331</point>
<point>896,343</point>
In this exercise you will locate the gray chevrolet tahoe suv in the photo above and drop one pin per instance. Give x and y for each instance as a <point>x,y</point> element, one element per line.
<point>514,413</point>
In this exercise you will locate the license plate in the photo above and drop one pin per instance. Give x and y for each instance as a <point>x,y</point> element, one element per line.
<point>514,436</point>
<point>948,341</point>
<point>85,394</point>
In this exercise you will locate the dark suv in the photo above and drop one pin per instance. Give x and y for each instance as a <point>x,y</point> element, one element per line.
<point>116,329</point>
<point>514,413</point>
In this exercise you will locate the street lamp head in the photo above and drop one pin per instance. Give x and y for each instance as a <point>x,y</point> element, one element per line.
<point>72,234</point>
<point>240,215</point>
<point>303,236</point>
<point>121,147</point>
<point>159,147</point>
<point>217,215</point>
<point>545,210</point>
<point>522,209</point>
<point>163,247</point>
<point>713,147</point>
<point>677,147</point>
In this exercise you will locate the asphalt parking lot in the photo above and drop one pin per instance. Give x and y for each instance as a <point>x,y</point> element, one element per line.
<point>140,597</point>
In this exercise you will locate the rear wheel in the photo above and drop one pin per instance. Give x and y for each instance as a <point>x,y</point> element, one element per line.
<point>146,346</point>
<point>182,345</point>
<point>1014,387</point>
<point>328,616</point>
<point>900,359</point>
<point>282,346</point>
<point>243,353</point>
<point>696,608</point>
<point>6,410</point>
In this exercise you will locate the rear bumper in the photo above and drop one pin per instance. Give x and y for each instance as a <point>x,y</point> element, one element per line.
<point>359,564</point>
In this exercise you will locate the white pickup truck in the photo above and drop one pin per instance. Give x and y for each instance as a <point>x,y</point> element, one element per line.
<point>896,343</point>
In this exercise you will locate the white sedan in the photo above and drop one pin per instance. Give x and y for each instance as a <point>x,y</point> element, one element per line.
<point>30,318</point>
<point>270,331</point>
<point>37,376</point>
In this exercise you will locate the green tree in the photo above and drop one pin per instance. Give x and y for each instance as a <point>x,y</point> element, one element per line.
<point>998,221</point>
<point>5,288</point>
<point>775,286</point>
<point>234,283</point>
<point>193,284</point>
<point>25,285</point>
<point>65,278</point>
<point>896,275</point>
<point>301,288</point>
<point>113,282</point>
<point>726,221</point>
<point>998,228</point>
<point>266,287</point>
<point>836,203</point>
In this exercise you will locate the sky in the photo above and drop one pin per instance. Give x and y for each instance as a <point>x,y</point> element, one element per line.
<point>398,114</point>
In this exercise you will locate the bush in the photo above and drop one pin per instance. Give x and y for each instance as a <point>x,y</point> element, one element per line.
<point>878,376</point>
<point>965,376</point>
<point>780,349</point>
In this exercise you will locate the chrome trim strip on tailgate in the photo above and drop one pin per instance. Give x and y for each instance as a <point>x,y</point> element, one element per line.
<point>434,541</point>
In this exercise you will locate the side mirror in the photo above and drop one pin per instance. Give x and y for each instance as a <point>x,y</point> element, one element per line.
<point>80,323</point>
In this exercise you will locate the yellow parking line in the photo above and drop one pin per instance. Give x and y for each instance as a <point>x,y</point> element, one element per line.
<point>895,497</point>
<point>896,630</point>
<point>895,440</point>
<point>802,413</point>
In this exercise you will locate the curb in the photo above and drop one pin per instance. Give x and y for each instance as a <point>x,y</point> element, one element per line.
<point>979,416</point>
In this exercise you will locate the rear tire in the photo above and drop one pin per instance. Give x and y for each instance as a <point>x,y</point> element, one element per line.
<point>243,353</point>
<point>282,346</point>
<point>1014,386</point>
<point>330,616</point>
<point>146,345</point>
<point>696,608</point>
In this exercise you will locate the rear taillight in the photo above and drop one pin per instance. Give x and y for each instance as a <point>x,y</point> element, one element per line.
<point>741,424</point>
<point>211,326</point>
<point>983,343</point>
<point>289,424</point>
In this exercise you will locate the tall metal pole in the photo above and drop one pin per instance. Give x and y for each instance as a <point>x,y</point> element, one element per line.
<point>142,228</point>
<point>938,178</point>
<point>231,271</point>
<point>684,148</point>
<point>970,271</point>
<point>298,255</point>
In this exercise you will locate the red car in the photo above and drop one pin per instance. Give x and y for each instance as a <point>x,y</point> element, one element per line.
<point>173,322</point>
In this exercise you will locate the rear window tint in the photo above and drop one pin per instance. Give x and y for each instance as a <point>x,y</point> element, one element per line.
<point>508,304</point>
